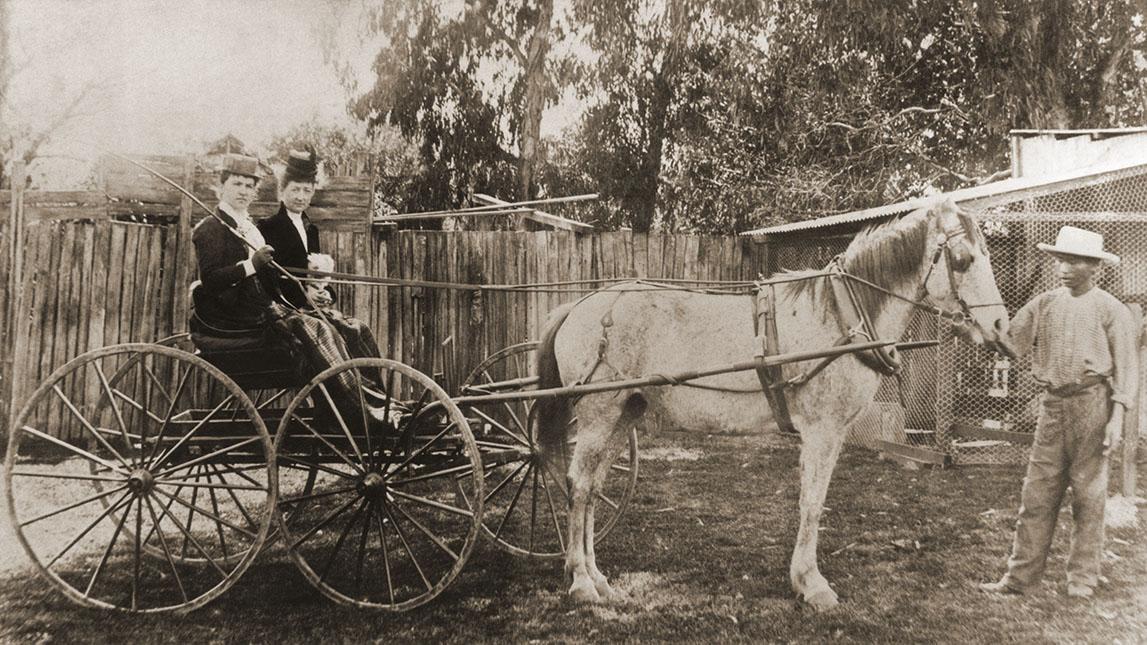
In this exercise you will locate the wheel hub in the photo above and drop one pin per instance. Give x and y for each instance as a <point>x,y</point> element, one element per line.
<point>372,485</point>
<point>140,481</point>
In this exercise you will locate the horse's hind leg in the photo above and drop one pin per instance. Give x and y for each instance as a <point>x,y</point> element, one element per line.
<point>820,448</point>
<point>596,445</point>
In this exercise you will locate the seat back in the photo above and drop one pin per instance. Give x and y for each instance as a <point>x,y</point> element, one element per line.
<point>253,362</point>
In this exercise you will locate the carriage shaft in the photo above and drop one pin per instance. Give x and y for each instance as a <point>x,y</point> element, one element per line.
<point>671,379</point>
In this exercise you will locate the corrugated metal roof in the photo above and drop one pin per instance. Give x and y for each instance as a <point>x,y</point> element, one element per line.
<point>994,189</point>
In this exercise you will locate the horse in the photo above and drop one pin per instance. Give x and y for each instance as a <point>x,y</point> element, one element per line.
<point>935,254</point>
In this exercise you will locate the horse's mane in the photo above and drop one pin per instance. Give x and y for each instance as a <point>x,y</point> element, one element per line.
<point>887,254</point>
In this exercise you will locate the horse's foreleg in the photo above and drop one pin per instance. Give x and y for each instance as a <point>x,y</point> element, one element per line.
<point>819,451</point>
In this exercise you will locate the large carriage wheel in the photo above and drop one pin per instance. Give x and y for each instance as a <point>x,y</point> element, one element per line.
<point>380,526</point>
<point>224,477</point>
<point>527,501</point>
<point>122,485</point>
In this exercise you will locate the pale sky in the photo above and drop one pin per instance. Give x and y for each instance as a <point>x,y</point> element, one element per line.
<point>169,76</point>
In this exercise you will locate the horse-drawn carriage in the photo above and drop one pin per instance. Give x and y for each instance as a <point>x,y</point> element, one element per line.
<point>169,469</point>
<point>147,477</point>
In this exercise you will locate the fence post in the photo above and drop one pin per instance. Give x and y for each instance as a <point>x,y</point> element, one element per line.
<point>1132,420</point>
<point>183,251</point>
<point>9,388</point>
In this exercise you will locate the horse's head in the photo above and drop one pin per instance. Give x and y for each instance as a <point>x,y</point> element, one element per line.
<point>960,279</point>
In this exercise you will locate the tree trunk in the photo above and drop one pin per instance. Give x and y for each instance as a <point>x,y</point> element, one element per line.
<point>5,74</point>
<point>535,75</point>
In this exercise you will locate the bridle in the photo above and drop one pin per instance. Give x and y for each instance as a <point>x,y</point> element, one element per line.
<point>923,300</point>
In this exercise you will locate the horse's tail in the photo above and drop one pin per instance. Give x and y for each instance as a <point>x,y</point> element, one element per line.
<point>553,414</point>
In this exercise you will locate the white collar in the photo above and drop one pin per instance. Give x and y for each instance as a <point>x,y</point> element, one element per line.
<point>296,217</point>
<point>231,210</point>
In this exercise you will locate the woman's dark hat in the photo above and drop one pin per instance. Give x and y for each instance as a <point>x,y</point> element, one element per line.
<point>301,166</point>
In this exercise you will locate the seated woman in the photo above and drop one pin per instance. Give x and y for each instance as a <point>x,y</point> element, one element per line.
<point>294,238</point>
<point>236,302</point>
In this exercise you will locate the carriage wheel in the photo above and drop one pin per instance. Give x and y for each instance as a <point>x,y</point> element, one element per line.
<point>526,505</point>
<point>122,484</point>
<point>380,526</point>
<point>224,477</point>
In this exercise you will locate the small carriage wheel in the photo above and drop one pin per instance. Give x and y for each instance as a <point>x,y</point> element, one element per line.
<point>380,527</point>
<point>97,489</point>
<point>526,505</point>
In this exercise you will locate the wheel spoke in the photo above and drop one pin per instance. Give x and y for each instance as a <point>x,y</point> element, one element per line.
<point>218,526</point>
<point>50,475</point>
<point>500,426</point>
<point>192,509</point>
<point>166,550</point>
<point>111,401</point>
<point>429,502</point>
<point>310,496</point>
<point>107,552</point>
<point>69,447</point>
<point>612,504</point>
<point>326,442</point>
<point>385,555</point>
<point>425,531</point>
<point>235,498</point>
<point>342,424</point>
<point>414,455</point>
<point>494,491</point>
<point>324,522</point>
<point>554,515</point>
<point>406,545</point>
<point>208,457</point>
<point>107,511</point>
<point>154,379</point>
<point>136,552</point>
<point>209,485</point>
<point>443,472</point>
<point>86,500</point>
<point>513,501</point>
<point>533,509</point>
<point>167,417</point>
<point>158,461</point>
<point>362,411</point>
<point>342,538</point>
<point>271,400</point>
<point>138,406</point>
<point>362,548</point>
<point>620,468</point>
<point>187,536</point>
<point>289,459</point>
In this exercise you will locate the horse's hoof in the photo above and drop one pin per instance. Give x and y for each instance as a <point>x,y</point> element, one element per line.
<point>822,600</point>
<point>605,591</point>
<point>584,592</point>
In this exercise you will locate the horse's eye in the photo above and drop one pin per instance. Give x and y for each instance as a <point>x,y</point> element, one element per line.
<point>962,258</point>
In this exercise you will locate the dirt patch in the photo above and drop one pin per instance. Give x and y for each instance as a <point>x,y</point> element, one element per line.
<point>672,453</point>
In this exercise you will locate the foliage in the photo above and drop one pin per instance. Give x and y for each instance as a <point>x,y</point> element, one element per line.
<point>720,115</point>
<point>457,85</point>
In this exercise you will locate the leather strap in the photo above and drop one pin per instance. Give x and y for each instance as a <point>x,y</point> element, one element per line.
<point>772,377</point>
<point>854,321</point>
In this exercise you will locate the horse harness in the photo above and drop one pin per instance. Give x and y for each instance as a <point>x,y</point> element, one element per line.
<point>855,323</point>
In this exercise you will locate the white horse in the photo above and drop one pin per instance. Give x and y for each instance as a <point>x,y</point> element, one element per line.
<point>935,254</point>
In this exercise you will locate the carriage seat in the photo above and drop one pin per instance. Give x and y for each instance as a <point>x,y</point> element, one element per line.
<point>255,361</point>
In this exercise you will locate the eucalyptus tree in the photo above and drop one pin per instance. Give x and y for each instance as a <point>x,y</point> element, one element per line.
<point>468,82</point>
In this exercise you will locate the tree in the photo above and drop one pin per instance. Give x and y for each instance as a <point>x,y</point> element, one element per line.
<point>466,90</point>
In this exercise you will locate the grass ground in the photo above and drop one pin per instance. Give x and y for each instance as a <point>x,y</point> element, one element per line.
<point>702,554</point>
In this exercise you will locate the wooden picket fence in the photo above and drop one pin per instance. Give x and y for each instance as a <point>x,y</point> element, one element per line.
<point>83,270</point>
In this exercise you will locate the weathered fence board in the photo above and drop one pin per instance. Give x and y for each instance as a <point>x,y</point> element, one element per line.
<point>90,280</point>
